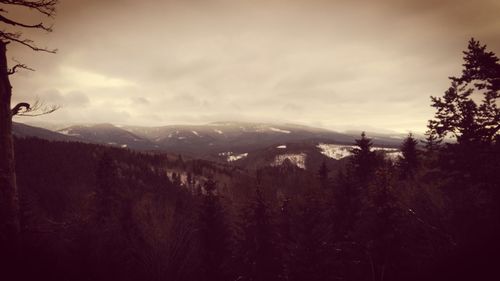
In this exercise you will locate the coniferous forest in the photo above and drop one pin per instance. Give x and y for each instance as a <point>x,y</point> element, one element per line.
<point>76,210</point>
<point>91,212</point>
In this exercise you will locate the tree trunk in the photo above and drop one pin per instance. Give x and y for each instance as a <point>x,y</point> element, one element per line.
<point>9,202</point>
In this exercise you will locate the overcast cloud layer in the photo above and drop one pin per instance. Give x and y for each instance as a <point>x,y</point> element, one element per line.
<point>333,64</point>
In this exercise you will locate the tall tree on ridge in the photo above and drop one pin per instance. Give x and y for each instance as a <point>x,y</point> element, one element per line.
<point>363,160</point>
<point>468,111</point>
<point>409,162</point>
<point>9,201</point>
<point>259,248</point>
<point>457,112</point>
<point>213,236</point>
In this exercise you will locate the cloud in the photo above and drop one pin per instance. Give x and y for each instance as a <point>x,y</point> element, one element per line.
<point>140,101</point>
<point>76,99</point>
<point>365,63</point>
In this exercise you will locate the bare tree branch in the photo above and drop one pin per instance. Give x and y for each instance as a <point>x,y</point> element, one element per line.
<point>18,107</point>
<point>18,65</point>
<point>15,23</point>
<point>38,108</point>
<point>14,69</point>
<point>46,7</point>
<point>16,37</point>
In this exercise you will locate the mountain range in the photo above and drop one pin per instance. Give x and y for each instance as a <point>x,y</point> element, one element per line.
<point>246,144</point>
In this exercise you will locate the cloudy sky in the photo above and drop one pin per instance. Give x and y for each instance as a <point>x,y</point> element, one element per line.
<point>333,64</point>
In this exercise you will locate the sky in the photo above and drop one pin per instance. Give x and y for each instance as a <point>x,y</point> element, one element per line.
<point>333,64</point>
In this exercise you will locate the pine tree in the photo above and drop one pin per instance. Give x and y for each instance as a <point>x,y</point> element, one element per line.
<point>285,236</point>
<point>106,186</point>
<point>189,180</point>
<point>457,112</point>
<point>409,162</point>
<point>259,248</point>
<point>323,175</point>
<point>475,126</point>
<point>213,235</point>
<point>363,160</point>
<point>432,142</point>
<point>344,215</point>
<point>469,167</point>
<point>379,226</point>
<point>309,249</point>
<point>346,205</point>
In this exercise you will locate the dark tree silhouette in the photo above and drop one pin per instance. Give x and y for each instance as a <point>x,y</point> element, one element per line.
<point>432,141</point>
<point>9,206</point>
<point>363,160</point>
<point>409,162</point>
<point>475,126</point>
<point>213,236</point>
<point>469,167</point>
<point>457,112</point>
<point>259,247</point>
<point>309,251</point>
<point>345,205</point>
<point>380,232</point>
<point>323,175</point>
<point>106,185</point>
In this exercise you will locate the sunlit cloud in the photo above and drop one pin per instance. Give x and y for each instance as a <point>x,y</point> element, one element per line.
<point>81,79</point>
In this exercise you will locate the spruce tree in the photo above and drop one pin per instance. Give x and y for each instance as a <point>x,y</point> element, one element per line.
<point>474,125</point>
<point>259,248</point>
<point>213,235</point>
<point>346,205</point>
<point>363,160</point>
<point>457,112</point>
<point>468,112</point>
<point>379,226</point>
<point>323,175</point>
<point>309,248</point>
<point>409,162</point>
<point>106,186</point>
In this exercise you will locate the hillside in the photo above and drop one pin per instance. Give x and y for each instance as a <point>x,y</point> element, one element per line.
<point>209,141</point>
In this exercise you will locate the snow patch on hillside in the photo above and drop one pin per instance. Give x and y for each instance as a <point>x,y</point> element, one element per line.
<point>236,157</point>
<point>231,156</point>
<point>394,155</point>
<point>279,130</point>
<point>68,133</point>
<point>281,146</point>
<point>195,133</point>
<point>335,151</point>
<point>298,160</point>
<point>218,131</point>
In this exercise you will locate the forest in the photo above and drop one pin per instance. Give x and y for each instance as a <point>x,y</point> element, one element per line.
<point>91,212</point>
<point>88,212</point>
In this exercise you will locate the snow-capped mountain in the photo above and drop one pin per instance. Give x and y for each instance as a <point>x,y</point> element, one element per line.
<point>232,142</point>
<point>108,134</point>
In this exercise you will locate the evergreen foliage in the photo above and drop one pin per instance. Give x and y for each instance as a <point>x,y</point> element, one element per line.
<point>112,214</point>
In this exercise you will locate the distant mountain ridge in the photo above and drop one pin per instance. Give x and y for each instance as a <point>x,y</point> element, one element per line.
<point>208,141</point>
